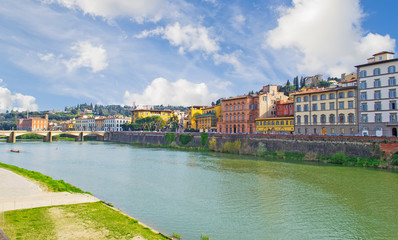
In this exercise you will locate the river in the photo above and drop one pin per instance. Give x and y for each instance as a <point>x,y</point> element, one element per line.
<point>221,195</point>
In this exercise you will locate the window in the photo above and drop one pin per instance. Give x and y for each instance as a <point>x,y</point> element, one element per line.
<point>291,123</point>
<point>391,69</point>
<point>282,123</point>
<point>243,107</point>
<point>364,107</point>
<point>314,107</point>
<point>230,108</point>
<point>392,93</point>
<point>350,104</point>
<point>323,106</point>
<point>298,108</point>
<point>331,95</point>
<point>305,107</point>
<point>341,95</point>
<point>298,119</point>
<point>362,73</point>
<point>251,118</point>
<point>305,99</point>
<point>234,108</point>
<point>392,82</point>
<point>314,97</point>
<point>323,118</point>
<point>350,94</point>
<point>393,117</point>
<point>363,85</point>
<point>377,106</point>
<point>393,105</point>
<point>377,95</point>
<point>378,117</point>
<point>238,107</point>
<point>364,96</point>
<point>255,106</point>
<point>376,71</point>
<point>306,119</point>
<point>364,118</point>
<point>341,118</point>
<point>332,118</point>
<point>277,122</point>
<point>331,106</point>
<point>323,97</point>
<point>298,99</point>
<point>351,118</point>
<point>377,83</point>
<point>341,105</point>
<point>314,119</point>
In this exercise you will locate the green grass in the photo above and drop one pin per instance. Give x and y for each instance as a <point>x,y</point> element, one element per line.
<point>46,181</point>
<point>79,221</point>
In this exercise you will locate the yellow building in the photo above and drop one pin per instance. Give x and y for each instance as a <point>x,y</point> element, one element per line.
<point>100,124</point>
<point>207,122</point>
<point>192,113</point>
<point>143,113</point>
<point>330,111</point>
<point>275,125</point>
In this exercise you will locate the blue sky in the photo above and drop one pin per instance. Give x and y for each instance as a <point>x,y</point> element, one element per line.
<point>57,53</point>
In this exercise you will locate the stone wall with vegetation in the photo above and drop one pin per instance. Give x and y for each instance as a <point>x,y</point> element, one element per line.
<point>254,145</point>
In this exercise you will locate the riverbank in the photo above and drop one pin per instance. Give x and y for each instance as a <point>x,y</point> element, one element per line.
<point>363,152</point>
<point>32,202</point>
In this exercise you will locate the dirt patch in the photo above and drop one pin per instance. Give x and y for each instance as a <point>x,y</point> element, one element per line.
<point>68,226</point>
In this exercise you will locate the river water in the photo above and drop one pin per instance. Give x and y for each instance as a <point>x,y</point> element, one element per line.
<point>221,195</point>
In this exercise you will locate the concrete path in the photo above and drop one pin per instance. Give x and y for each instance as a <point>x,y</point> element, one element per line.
<point>17,192</point>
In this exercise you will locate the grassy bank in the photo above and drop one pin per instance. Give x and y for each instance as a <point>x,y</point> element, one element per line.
<point>46,181</point>
<point>79,221</point>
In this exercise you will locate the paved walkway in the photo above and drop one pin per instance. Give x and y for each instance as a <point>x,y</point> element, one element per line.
<point>17,192</point>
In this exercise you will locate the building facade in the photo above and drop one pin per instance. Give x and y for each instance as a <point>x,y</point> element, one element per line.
<point>85,123</point>
<point>239,114</point>
<point>33,124</point>
<point>207,122</point>
<point>142,113</point>
<point>377,92</point>
<point>268,98</point>
<point>330,111</point>
<point>114,124</point>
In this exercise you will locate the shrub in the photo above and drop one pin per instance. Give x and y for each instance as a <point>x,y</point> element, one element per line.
<point>213,144</point>
<point>204,237</point>
<point>339,158</point>
<point>232,147</point>
<point>169,137</point>
<point>203,139</point>
<point>185,138</point>
<point>176,235</point>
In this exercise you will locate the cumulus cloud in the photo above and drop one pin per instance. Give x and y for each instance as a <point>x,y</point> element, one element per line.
<point>180,92</point>
<point>139,10</point>
<point>187,38</point>
<point>16,102</point>
<point>88,55</point>
<point>326,36</point>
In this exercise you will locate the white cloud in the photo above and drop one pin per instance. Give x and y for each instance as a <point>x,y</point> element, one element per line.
<point>180,92</point>
<point>139,10</point>
<point>230,59</point>
<point>16,102</point>
<point>187,38</point>
<point>46,57</point>
<point>88,55</point>
<point>326,36</point>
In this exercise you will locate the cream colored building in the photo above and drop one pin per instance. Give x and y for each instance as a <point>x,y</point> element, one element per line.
<point>330,111</point>
<point>268,99</point>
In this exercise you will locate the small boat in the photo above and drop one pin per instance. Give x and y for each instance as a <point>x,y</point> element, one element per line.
<point>15,151</point>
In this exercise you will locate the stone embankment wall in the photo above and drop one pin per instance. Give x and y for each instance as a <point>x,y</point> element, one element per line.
<point>251,144</point>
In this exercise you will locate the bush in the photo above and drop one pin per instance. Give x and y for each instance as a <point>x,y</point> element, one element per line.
<point>169,137</point>
<point>203,139</point>
<point>185,138</point>
<point>339,158</point>
<point>232,147</point>
<point>213,144</point>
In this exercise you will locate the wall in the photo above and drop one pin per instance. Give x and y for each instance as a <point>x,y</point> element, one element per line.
<point>249,144</point>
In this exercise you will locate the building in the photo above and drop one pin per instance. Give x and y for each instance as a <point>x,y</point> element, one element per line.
<point>268,98</point>
<point>330,111</point>
<point>100,124</point>
<point>85,123</point>
<point>313,80</point>
<point>239,114</point>
<point>142,113</point>
<point>285,108</point>
<point>192,113</point>
<point>114,124</point>
<point>377,91</point>
<point>275,125</point>
<point>33,124</point>
<point>207,122</point>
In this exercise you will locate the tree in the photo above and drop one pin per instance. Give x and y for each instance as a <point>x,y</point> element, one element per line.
<point>288,83</point>
<point>172,123</point>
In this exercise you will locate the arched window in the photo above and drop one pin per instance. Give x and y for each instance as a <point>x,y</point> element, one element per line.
<point>323,118</point>
<point>351,118</point>
<point>298,119</point>
<point>306,119</point>
<point>332,118</point>
<point>391,69</point>
<point>362,73</point>
<point>314,119</point>
<point>341,118</point>
<point>376,71</point>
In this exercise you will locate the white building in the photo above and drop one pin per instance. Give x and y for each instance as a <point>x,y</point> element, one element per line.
<point>85,124</point>
<point>377,93</point>
<point>114,124</point>
<point>268,98</point>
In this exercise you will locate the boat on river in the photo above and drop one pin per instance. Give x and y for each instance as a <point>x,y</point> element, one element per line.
<point>15,151</point>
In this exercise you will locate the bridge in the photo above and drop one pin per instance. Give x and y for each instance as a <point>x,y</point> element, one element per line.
<point>78,135</point>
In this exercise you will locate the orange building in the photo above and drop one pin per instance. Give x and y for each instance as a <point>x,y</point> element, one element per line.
<point>239,114</point>
<point>33,124</point>
<point>284,108</point>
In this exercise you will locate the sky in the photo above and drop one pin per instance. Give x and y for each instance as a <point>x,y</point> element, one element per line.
<point>58,53</point>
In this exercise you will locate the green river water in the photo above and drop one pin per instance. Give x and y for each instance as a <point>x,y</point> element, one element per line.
<point>221,195</point>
